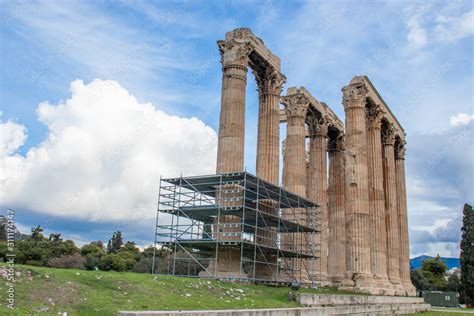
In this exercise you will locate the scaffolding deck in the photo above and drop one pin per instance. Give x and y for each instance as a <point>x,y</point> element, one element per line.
<point>255,188</point>
<point>207,214</point>
<point>248,247</point>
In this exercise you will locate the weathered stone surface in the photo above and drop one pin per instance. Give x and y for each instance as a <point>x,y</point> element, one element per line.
<point>357,197</point>
<point>378,242</point>
<point>336,210</point>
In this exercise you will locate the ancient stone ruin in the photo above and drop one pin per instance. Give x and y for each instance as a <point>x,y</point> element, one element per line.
<point>340,215</point>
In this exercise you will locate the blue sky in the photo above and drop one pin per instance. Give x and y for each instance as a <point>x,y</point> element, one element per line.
<point>100,98</point>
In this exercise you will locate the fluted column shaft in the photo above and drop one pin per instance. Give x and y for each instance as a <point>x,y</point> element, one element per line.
<point>230,147</point>
<point>294,178</point>
<point>357,208</point>
<point>402,215</point>
<point>317,185</point>
<point>378,249</point>
<point>294,172</point>
<point>393,235</point>
<point>269,84</point>
<point>337,218</point>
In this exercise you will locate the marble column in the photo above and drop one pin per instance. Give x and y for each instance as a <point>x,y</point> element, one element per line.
<point>358,275</point>
<point>270,83</point>
<point>230,146</point>
<point>378,242</point>
<point>294,173</point>
<point>337,217</point>
<point>403,217</point>
<point>230,151</point>
<point>294,176</point>
<point>317,187</point>
<point>390,188</point>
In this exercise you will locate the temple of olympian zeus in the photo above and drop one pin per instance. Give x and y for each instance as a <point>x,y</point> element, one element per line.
<point>340,215</point>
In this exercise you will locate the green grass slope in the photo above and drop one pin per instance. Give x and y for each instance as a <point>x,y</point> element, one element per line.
<point>47,291</point>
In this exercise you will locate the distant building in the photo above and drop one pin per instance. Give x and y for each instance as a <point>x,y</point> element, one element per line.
<point>415,263</point>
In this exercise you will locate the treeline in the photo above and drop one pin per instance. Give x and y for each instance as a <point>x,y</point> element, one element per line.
<point>117,255</point>
<point>433,277</point>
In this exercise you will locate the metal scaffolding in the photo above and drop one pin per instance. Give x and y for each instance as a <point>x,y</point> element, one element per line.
<point>235,226</point>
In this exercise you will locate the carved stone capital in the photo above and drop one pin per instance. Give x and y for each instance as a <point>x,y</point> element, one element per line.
<point>388,135</point>
<point>270,81</point>
<point>295,105</point>
<point>318,126</point>
<point>234,52</point>
<point>374,114</point>
<point>336,143</point>
<point>354,95</point>
<point>400,149</point>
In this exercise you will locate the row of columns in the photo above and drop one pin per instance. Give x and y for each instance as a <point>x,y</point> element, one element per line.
<point>377,254</point>
<point>364,234</point>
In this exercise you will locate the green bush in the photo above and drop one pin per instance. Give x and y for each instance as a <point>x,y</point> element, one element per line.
<point>91,262</point>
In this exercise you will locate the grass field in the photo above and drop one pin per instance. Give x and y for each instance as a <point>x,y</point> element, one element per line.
<point>47,291</point>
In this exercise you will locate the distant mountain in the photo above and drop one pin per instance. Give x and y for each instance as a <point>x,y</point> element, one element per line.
<point>415,263</point>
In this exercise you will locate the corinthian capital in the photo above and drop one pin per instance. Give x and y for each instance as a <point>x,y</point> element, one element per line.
<point>400,149</point>
<point>234,52</point>
<point>374,114</point>
<point>270,81</point>
<point>388,135</point>
<point>295,105</point>
<point>318,126</point>
<point>354,95</point>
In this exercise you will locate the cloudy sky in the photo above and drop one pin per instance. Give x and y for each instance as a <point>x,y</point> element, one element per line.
<point>100,98</point>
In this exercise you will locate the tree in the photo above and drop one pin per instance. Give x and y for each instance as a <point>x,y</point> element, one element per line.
<point>434,271</point>
<point>36,233</point>
<point>92,253</point>
<point>467,256</point>
<point>435,266</point>
<point>419,280</point>
<point>92,249</point>
<point>454,283</point>
<point>114,244</point>
<point>55,237</point>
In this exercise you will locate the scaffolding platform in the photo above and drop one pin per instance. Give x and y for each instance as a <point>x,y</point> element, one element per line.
<point>235,226</point>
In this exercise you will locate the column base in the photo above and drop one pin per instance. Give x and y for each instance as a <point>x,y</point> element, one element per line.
<point>360,283</point>
<point>398,287</point>
<point>383,286</point>
<point>409,289</point>
<point>322,280</point>
<point>337,280</point>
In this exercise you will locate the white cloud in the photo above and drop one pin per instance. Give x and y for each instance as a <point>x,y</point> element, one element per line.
<point>450,29</point>
<point>103,156</point>
<point>12,137</point>
<point>461,119</point>
<point>416,34</point>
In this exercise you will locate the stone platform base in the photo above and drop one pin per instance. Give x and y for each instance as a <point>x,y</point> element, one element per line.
<point>318,305</point>
<point>367,310</point>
